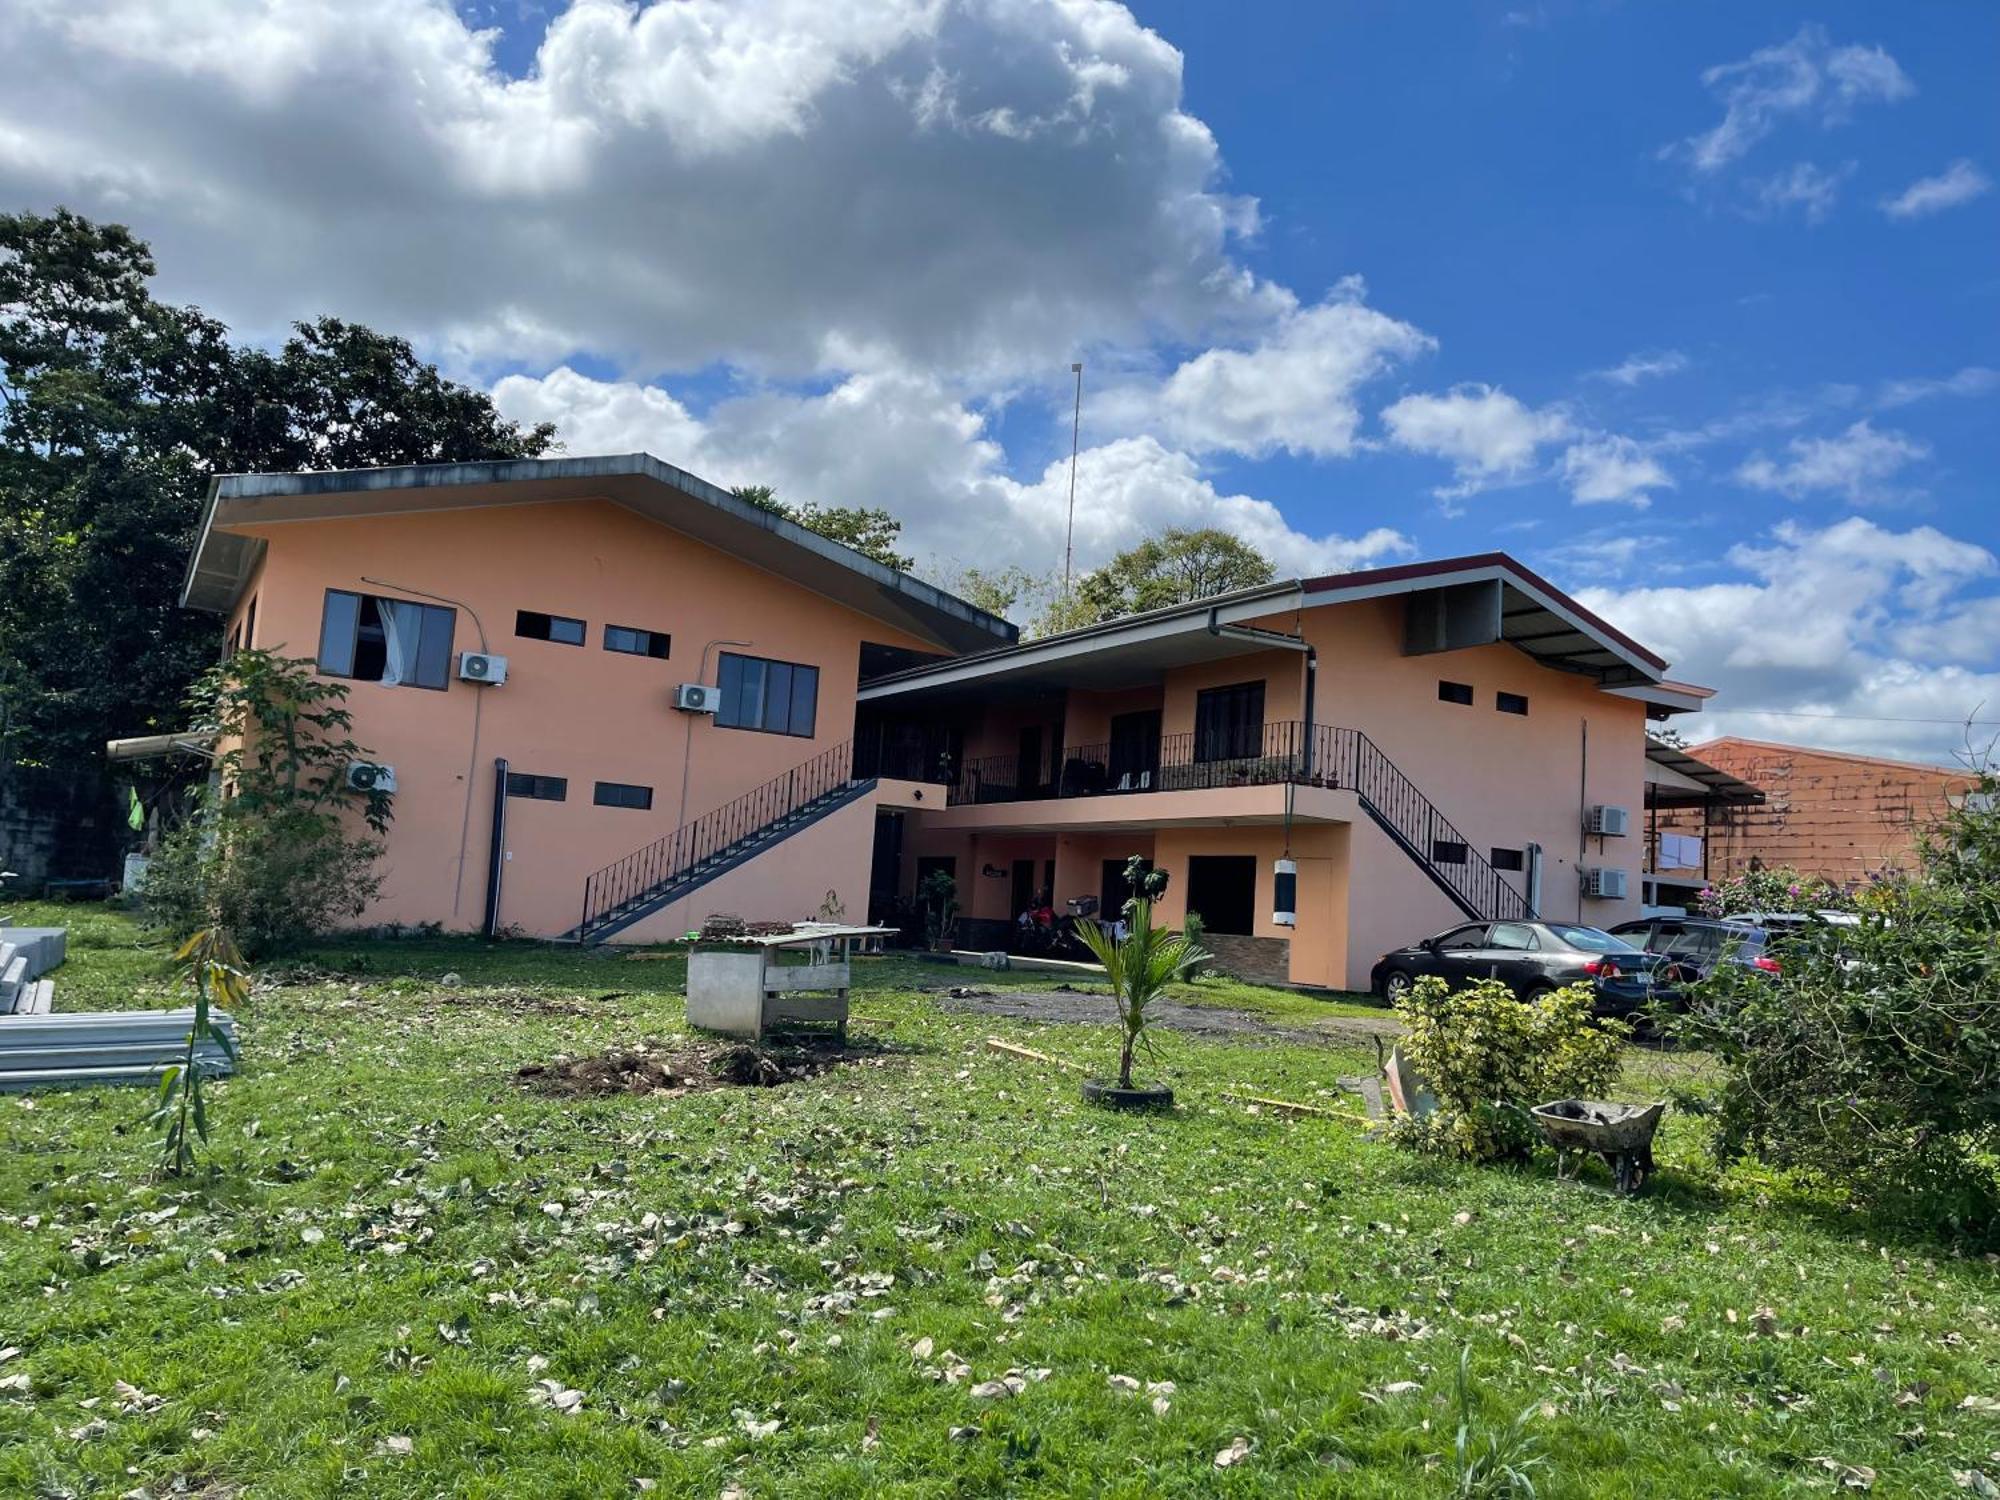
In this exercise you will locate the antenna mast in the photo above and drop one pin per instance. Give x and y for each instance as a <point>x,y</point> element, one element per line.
<point>1075,428</point>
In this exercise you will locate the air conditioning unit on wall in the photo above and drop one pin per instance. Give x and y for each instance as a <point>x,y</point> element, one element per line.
<point>1605,884</point>
<point>1611,822</point>
<point>367,776</point>
<point>697,698</point>
<point>480,666</point>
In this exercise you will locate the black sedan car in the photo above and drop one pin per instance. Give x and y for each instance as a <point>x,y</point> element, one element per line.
<point>1533,958</point>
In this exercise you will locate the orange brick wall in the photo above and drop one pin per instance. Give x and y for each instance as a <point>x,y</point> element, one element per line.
<point>1840,816</point>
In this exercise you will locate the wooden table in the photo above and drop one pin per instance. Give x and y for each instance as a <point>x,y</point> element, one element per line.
<point>743,992</point>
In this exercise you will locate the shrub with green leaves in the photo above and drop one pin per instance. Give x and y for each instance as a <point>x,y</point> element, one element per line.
<point>1489,1058</point>
<point>1871,1061</point>
<point>279,850</point>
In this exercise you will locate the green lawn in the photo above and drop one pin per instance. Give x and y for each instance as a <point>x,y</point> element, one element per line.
<point>797,1291</point>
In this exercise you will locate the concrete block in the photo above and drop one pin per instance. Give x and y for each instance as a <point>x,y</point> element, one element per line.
<point>725,992</point>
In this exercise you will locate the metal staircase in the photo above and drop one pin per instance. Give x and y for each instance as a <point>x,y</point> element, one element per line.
<point>679,863</point>
<point>1348,758</point>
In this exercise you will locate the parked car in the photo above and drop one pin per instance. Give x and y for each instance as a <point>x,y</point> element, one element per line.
<point>1532,958</point>
<point>1699,944</point>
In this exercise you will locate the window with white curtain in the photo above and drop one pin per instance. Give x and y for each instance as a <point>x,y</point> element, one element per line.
<point>396,642</point>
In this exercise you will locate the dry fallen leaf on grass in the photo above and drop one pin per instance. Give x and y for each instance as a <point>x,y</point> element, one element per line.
<point>1234,1454</point>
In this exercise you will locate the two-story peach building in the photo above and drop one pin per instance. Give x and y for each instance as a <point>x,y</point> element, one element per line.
<point>707,708</point>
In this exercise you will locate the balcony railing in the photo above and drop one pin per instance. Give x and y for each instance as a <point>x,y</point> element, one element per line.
<point>1272,754</point>
<point>1316,755</point>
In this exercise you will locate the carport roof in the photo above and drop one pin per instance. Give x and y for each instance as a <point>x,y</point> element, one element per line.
<point>1717,787</point>
<point>223,560</point>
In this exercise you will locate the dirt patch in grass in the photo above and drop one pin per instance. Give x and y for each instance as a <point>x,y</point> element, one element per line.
<point>1066,1006</point>
<point>689,1067</point>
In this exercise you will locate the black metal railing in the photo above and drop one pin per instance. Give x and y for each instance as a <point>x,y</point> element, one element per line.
<point>1353,761</point>
<point>673,857</point>
<point>1317,755</point>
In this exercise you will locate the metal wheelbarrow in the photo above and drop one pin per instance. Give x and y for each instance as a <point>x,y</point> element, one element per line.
<point>1620,1133</point>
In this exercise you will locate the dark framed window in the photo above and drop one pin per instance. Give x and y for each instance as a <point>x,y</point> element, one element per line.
<point>396,642</point>
<point>1223,889</point>
<point>622,794</point>
<point>1455,692</point>
<point>777,697</point>
<point>1511,703</point>
<point>540,788</point>
<point>1509,859</point>
<point>1448,852</point>
<point>635,642</point>
<point>1229,724</point>
<point>533,625</point>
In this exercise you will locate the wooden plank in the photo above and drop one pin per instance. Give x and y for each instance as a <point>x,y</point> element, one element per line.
<point>994,1044</point>
<point>834,976</point>
<point>1286,1106</point>
<point>805,1008</point>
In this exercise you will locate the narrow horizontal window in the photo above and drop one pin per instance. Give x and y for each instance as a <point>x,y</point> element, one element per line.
<point>1448,852</point>
<point>1509,859</point>
<point>1455,692</point>
<point>653,643</point>
<point>532,625</point>
<point>1511,703</point>
<point>619,794</point>
<point>540,788</point>
<point>396,642</point>
<point>778,697</point>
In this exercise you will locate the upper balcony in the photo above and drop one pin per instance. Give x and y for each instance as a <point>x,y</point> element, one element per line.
<point>1222,756</point>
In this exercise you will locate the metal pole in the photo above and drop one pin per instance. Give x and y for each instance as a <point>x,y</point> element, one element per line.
<point>1075,431</point>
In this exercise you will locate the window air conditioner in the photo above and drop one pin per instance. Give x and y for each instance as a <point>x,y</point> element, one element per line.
<point>697,698</point>
<point>479,666</point>
<point>367,776</point>
<point>1606,884</point>
<point>1612,822</point>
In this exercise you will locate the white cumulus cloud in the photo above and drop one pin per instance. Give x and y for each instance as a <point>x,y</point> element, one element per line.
<point>784,184</point>
<point>1489,436</point>
<point>1859,464</point>
<point>907,443</point>
<point>1827,634</point>
<point>1612,468</point>
<point>1294,390</point>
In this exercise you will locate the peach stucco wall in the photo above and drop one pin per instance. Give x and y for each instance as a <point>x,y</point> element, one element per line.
<point>1505,780</point>
<point>579,712</point>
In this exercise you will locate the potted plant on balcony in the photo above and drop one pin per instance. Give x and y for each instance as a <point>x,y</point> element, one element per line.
<point>1140,967</point>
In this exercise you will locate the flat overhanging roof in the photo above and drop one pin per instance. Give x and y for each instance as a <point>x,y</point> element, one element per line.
<point>1117,653</point>
<point>1533,616</point>
<point>223,560</point>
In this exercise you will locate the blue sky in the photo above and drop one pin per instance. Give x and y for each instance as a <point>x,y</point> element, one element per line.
<point>1692,307</point>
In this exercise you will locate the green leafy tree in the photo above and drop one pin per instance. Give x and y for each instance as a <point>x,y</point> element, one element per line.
<point>279,849</point>
<point>116,410</point>
<point>872,532</point>
<point>1176,567</point>
<point>1871,1060</point>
